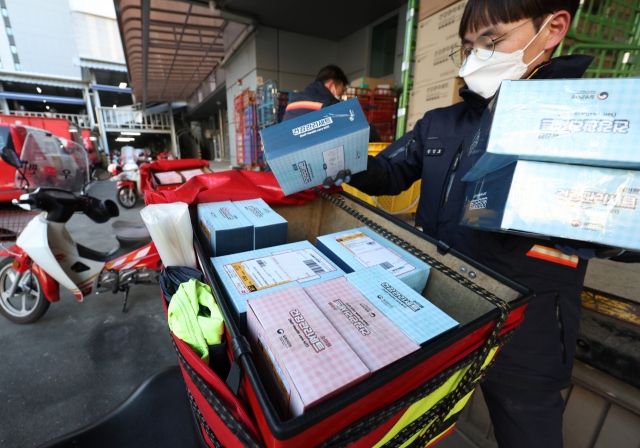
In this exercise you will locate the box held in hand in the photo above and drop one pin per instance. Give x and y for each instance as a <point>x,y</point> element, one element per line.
<point>270,229</point>
<point>418,318</point>
<point>359,249</point>
<point>375,339</point>
<point>597,205</point>
<point>226,229</point>
<point>306,150</point>
<point>591,122</point>
<point>259,272</point>
<point>299,350</point>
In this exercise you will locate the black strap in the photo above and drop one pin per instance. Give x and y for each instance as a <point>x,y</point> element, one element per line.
<point>468,381</point>
<point>200,419</point>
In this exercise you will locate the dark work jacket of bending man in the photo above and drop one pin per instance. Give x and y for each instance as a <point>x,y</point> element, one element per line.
<point>315,97</point>
<point>540,356</point>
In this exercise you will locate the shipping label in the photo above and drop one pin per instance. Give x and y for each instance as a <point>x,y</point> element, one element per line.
<point>371,253</point>
<point>277,269</point>
<point>333,161</point>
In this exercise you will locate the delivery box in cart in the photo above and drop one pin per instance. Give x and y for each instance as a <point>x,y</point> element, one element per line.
<point>306,150</point>
<point>598,205</point>
<point>426,388</point>
<point>590,122</point>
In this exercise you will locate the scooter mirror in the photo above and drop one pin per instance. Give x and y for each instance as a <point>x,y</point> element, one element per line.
<point>100,174</point>
<point>10,157</point>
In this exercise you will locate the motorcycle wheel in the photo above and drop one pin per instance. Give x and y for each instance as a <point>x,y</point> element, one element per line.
<point>28,303</point>
<point>127,197</point>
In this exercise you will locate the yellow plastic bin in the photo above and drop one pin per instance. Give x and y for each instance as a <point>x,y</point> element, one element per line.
<point>405,202</point>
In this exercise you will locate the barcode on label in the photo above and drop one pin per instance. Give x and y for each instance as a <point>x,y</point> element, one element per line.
<point>261,263</point>
<point>386,265</point>
<point>315,267</point>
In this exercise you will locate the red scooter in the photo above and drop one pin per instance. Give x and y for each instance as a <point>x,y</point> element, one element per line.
<point>45,256</point>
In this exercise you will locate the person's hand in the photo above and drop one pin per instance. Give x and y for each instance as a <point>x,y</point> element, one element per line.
<point>342,176</point>
<point>587,253</point>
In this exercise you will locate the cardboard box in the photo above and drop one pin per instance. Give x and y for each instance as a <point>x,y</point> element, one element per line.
<point>441,29</point>
<point>433,66</point>
<point>418,318</point>
<point>440,94</point>
<point>259,272</point>
<point>303,354</point>
<point>226,229</point>
<point>375,339</point>
<point>578,121</point>
<point>304,151</point>
<point>372,83</point>
<point>359,249</point>
<point>598,205</point>
<point>270,229</point>
<point>430,7</point>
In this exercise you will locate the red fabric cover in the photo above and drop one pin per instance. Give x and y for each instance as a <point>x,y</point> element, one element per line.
<point>232,185</point>
<point>166,165</point>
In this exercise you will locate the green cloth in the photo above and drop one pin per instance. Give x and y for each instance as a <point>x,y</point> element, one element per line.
<point>195,318</point>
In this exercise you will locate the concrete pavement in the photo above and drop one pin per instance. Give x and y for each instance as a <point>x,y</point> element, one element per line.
<point>80,360</point>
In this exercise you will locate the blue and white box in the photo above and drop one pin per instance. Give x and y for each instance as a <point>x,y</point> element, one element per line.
<point>270,229</point>
<point>253,274</point>
<point>226,229</point>
<point>362,248</point>
<point>418,318</point>
<point>594,122</point>
<point>304,151</point>
<point>597,205</point>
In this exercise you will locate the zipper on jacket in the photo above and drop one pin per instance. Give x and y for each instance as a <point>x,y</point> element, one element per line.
<point>561,327</point>
<point>452,175</point>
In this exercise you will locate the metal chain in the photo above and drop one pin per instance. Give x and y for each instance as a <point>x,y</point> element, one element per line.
<point>467,381</point>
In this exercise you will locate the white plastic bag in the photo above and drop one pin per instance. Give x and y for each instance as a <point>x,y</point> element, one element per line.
<point>171,231</point>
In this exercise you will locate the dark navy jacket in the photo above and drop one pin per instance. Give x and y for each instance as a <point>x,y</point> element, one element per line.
<point>315,97</point>
<point>541,353</point>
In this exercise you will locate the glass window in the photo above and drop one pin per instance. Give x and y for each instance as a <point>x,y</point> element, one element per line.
<point>383,48</point>
<point>18,66</point>
<point>9,31</point>
<point>5,13</point>
<point>14,50</point>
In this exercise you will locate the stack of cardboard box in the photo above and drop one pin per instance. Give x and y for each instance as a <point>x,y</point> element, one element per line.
<point>435,81</point>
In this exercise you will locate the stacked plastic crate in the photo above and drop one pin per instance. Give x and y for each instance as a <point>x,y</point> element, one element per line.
<point>283,101</point>
<point>608,30</point>
<point>243,153</point>
<point>382,112</point>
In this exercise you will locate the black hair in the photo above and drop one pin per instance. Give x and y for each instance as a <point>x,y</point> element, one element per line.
<point>332,73</point>
<point>483,13</point>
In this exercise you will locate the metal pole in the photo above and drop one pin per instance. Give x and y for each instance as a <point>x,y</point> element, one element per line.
<point>87,101</point>
<point>221,133</point>
<point>407,62</point>
<point>4,106</point>
<point>174,143</point>
<point>100,118</point>
<point>146,10</point>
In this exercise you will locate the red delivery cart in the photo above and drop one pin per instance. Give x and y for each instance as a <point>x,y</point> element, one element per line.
<point>413,403</point>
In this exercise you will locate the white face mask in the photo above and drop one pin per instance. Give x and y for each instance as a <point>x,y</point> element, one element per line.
<point>484,77</point>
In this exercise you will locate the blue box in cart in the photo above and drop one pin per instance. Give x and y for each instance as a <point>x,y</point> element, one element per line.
<point>597,205</point>
<point>226,229</point>
<point>258,272</point>
<point>304,151</point>
<point>270,229</point>
<point>593,122</point>
<point>358,249</point>
<point>418,318</point>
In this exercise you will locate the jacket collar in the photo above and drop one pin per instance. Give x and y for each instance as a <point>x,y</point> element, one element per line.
<point>318,89</point>
<point>572,66</point>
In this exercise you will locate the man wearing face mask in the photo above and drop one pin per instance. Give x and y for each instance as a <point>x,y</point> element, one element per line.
<point>501,39</point>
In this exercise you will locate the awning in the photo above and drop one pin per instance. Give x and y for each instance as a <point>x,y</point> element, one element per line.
<point>102,64</point>
<point>171,46</point>
<point>45,80</point>
<point>115,89</point>
<point>41,98</point>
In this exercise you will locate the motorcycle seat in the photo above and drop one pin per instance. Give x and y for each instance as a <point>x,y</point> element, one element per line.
<point>130,230</point>
<point>131,236</point>
<point>157,414</point>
